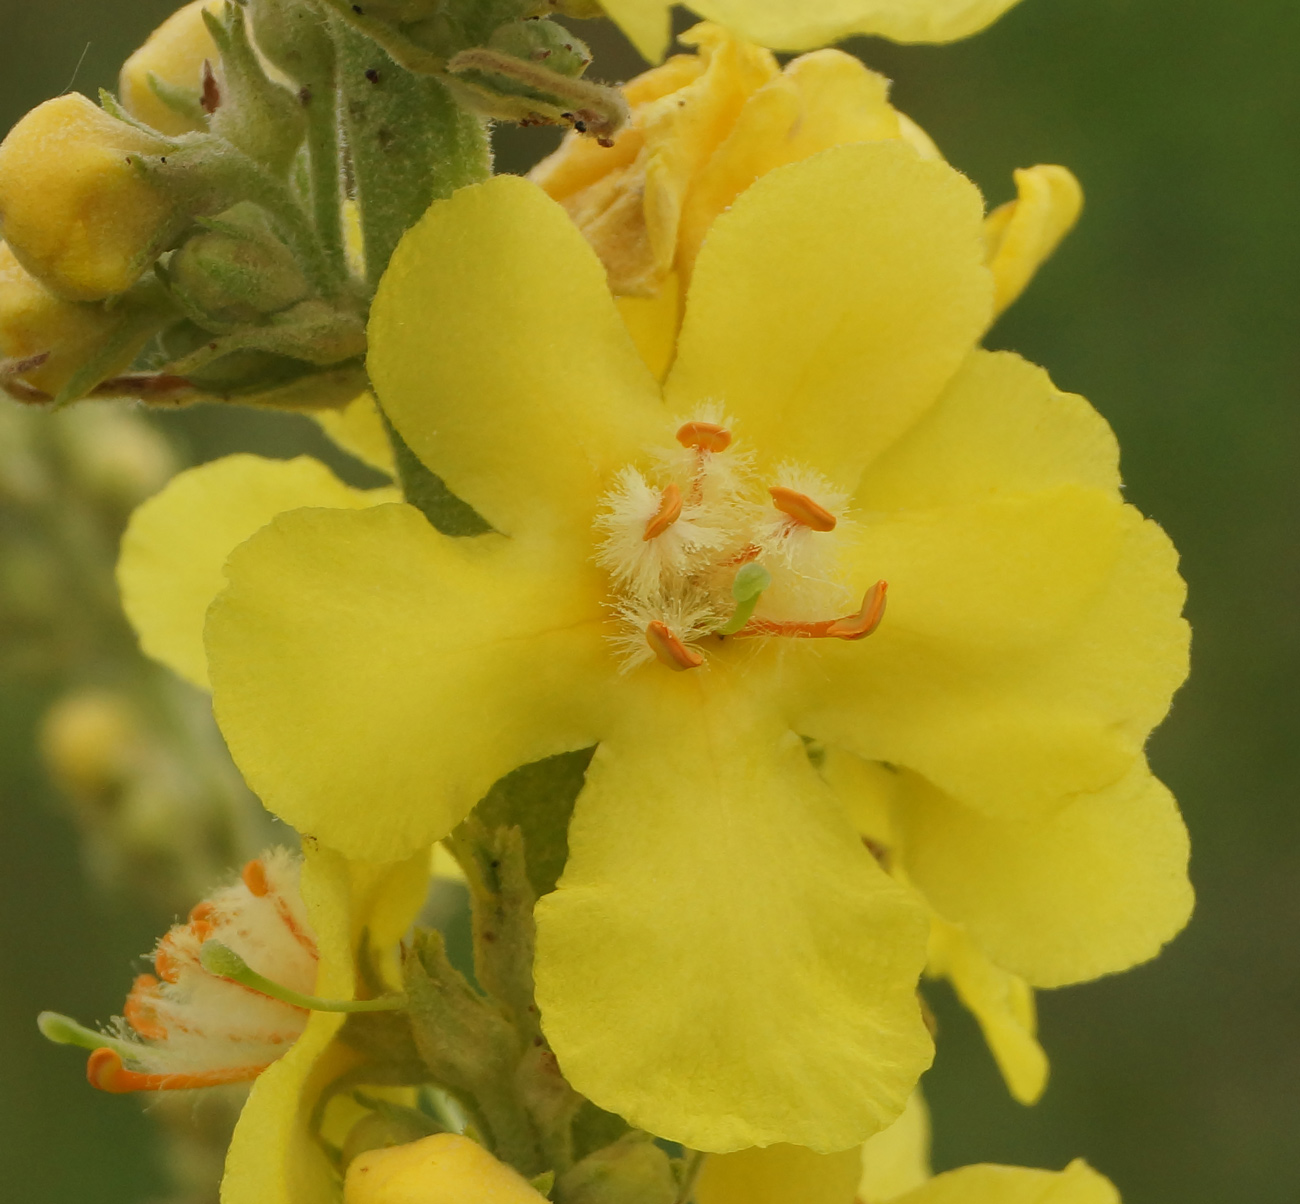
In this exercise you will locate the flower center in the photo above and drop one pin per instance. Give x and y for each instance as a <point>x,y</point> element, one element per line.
<point>704,547</point>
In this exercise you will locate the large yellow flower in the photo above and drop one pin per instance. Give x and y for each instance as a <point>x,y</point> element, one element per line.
<point>374,677</point>
<point>801,25</point>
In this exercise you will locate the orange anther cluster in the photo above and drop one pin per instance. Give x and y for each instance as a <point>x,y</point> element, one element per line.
<point>670,510</point>
<point>704,436</point>
<point>801,508</point>
<point>669,649</point>
<point>254,876</point>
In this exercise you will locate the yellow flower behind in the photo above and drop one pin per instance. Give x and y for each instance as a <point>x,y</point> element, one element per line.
<point>705,126</point>
<point>373,677</point>
<point>171,57</point>
<point>801,25</point>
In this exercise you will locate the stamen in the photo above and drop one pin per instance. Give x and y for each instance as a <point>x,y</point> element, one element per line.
<point>254,877</point>
<point>704,436</point>
<point>670,510</point>
<point>106,1071</point>
<point>746,589</point>
<point>851,627</point>
<point>140,1012</point>
<point>861,625</point>
<point>224,962</point>
<point>801,508</point>
<point>669,649</point>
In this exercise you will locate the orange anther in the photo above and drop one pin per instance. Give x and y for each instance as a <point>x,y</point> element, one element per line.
<point>105,1070</point>
<point>202,912</point>
<point>254,877</point>
<point>166,962</point>
<point>801,508</point>
<point>704,436</point>
<point>669,649</point>
<point>862,624</point>
<point>670,510</point>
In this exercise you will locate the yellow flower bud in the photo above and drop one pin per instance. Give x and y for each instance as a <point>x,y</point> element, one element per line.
<point>444,1169</point>
<point>89,742</point>
<point>77,215</point>
<point>34,322</point>
<point>174,55</point>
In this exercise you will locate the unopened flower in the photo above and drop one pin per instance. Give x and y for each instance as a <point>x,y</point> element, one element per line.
<point>442,1169</point>
<point>373,678</point>
<point>800,25</point>
<point>76,213</point>
<point>165,77</point>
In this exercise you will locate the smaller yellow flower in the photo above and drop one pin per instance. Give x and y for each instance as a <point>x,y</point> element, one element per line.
<point>76,213</point>
<point>799,25</point>
<point>442,1169</point>
<point>48,337</point>
<point>171,58</point>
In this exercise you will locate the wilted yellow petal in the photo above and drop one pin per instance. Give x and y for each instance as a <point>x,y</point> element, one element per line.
<point>176,543</point>
<point>703,845</point>
<point>780,1174</point>
<point>1093,887</point>
<point>497,352</point>
<point>832,303</point>
<point>373,678</point>
<point>358,428</point>
<point>988,1184</point>
<point>1001,1002</point>
<point>897,1159</point>
<point>1023,233</point>
<point>820,100</point>
<point>274,1158</point>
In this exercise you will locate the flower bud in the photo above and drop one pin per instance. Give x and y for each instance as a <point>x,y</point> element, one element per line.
<point>293,37</point>
<point>76,212</point>
<point>47,338</point>
<point>90,743</point>
<point>443,1169</point>
<point>161,84</point>
<point>236,270</point>
<point>633,1170</point>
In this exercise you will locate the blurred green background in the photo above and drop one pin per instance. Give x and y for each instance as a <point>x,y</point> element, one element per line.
<point>1175,308</point>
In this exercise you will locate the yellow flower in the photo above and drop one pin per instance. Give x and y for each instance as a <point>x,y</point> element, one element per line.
<point>171,59</point>
<point>800,25</point>
<point>373,678</point>
<point>704,127</point>
<point>76,214</point>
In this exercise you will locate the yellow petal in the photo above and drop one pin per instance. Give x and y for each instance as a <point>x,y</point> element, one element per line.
<point>702,846</point>
<point>442,1169</point>
<point>176,543</point>
<point>646,23</point>
<point>988,1184</point>
<point>897,1159</point>
<point>1022,234</point>
<point>780,1174</point>
<point>832,303</point>
<point>1000,428</point>
<point>274,1158</point>
<point>358,428</point>
<point>497,352</point>
<point>1030,646</point>
<point>373,678</point>
<point>1001,1002</point>
<point>820,100</point>
<point>1095,887</point>
<point>800,25</point>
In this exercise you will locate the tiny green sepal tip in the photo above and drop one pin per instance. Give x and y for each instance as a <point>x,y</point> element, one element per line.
<point>224,962</point>
<point>751,580</point>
